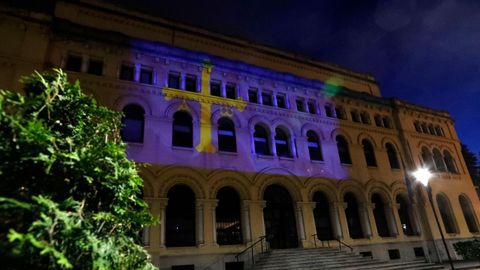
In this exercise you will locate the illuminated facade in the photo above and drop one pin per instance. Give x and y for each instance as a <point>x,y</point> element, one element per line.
<point>244,141</point>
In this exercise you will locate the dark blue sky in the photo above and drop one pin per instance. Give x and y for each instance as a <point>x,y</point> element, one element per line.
<point>426,52</point>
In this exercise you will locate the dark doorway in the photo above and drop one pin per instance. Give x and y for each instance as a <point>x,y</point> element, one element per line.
<point>380,216</point>
<point>180,217</point>
<point>280,224</point>
<point>228,217</point>
<point>353,217</point>
<point>321,214</point>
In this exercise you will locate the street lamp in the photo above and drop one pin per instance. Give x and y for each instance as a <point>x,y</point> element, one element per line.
<point>423,175</point>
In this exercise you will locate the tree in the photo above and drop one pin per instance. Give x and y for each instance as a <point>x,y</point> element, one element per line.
<point>69,197</point>
<point>473,166</point>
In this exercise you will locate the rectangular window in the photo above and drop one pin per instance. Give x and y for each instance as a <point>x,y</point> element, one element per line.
<point>281,101</point>
<point>394,254</point>
<point>146,75</point>
<point>127,72</point>
<point>74,63</point>
<point>300,106</point>
<point>267,99</point>
<point>95,67</point>
<point>328,110</point>
<point>419,252</point>
<point>174,80</point>
<point>230,91</point>
<point>311,107</point>
<point>253,95</point>
<point>215,89</point>
<point>340,113</point>
<point>355,117</point>
<point>191,83</point>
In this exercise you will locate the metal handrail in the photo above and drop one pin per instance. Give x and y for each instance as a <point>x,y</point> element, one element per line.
<point>340,243</point>
<point>315,238</point>
<point>251,247</point>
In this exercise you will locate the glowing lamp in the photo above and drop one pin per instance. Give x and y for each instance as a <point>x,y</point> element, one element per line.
<point>422,175</point>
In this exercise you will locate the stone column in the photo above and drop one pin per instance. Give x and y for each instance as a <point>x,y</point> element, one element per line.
<point>308,222</point>
<point>156,233</point>
<point>245,215</point>
<point>369,207</point>
<point>223,89</point>
<point>335,209</point>
<point>257,221</point>
<point>391,221</point>
<point>299,219</point>
<point>210,222</point>
<point>272,143</point>
<point>342,206</point>
<point>136,72</point>
<point>182,81</point>
<point>415,219</point>
<point>395,208</point>
<point>364,211</point>
<point>199,222</point>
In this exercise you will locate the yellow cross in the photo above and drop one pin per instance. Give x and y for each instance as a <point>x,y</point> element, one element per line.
<point>206,100</point>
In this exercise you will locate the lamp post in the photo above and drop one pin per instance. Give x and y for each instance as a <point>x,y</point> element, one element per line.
<point>423,175</point>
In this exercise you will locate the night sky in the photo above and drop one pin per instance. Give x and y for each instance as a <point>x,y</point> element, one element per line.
<point>425,52</point>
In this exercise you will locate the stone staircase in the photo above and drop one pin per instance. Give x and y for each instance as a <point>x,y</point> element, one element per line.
<point>328,258</point>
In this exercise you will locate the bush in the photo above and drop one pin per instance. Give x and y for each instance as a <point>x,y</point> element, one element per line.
<point>69,197</point>
<point>470,250</point>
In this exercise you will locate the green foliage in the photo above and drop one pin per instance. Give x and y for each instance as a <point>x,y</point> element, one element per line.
<point>470,250</point>
<point>473,165</point>
<point>69,197</point>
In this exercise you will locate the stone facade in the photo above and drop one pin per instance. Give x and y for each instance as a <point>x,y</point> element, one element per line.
<point>123,58</point>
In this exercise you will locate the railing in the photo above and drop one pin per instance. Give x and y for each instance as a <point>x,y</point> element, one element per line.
<point>252,250</point>
<point>340,243</point>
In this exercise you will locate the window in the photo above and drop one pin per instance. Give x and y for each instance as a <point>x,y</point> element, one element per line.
<point>182,132</point>
<point>95,67</point>
<point>438,159</point>
<point>418,127</point>
<point>404,212</point>
<point>253,95</point>
<point>300,105</point>
<point>132,123</point>
<point>230,91</point>
<point>392,156</point>
<point>446,213</point>
<point>439,131</point>
<point>180,218</point>
<point>282,144</point>
<point>418,251</point>
<point>281,101</point>
<point>74,63</point>
<point>355,116</point>
<point>378,121</point>
<point>174,80</point>
<point>379,215</point>
<point>227,215</point>
<point>191,83</point>
<point>215,88</point>
<point>355,229</point>
<point>321,215</point>
<point>127,72</point>
<point>146,75</point>
<point>427,158</point>
<point>267,99</point>
<point>424,128</point>
<point>343,151</point>
<point>369,153</point>
<point>365,118</point>
<point>226,135</point>
<point>394,254</point>
<point>261,141</point>
<point>387,122</point>
<point>449,162</point>
<point>312,108</point>
<point>328,110</point>
<point>468,214</point>
<point>340,113</point>
<point>431,130</point>
<point>314,146</point>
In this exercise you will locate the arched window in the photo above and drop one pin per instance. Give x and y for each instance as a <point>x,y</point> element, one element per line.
<point>418,127</point>
<point>340,113</point>
<point>314,148</point>
<point>449,162</point>
<point>439,131</point>
<point>365,117</point>
<point>380,216</point>
<point>180,217</point>
<point>392,156</point>
<point>321,215</point>
<point>431,130</point>
<point>387,122</point>
<point>438,159</point>
<point>343,151</point>
<point>182,131</point>
<point>404,212</point>
<point>353,217</point>
<point>132,123</point>
<point>369,153</point>
<point>355,116</point>
<point>226,135</point>
<point>468,214</point>
<point>227,216</point>
<point>424,128</point>
<point>261,141</point>
<point>446,213</point>
<point>427,157</point>
<point>378,120</point>
<point>282,143</point>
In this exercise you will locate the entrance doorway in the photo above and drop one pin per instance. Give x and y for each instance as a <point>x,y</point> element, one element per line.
<point>279,217</point>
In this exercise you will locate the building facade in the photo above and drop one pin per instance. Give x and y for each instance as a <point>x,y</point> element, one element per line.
<point>241,141</point>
